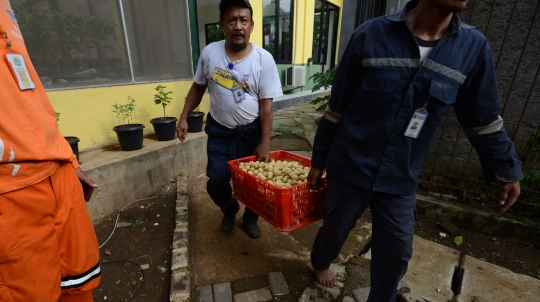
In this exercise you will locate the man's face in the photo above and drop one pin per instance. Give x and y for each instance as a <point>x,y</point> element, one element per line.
<point>237,27</point>
<point>449,5</point>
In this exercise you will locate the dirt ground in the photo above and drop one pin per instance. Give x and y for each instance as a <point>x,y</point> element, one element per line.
<point>516,255</point>
<point>146,241</point>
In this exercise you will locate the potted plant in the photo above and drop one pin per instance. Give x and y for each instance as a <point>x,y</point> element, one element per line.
<point>164,127</point>
<point>130,134</point>
<point>72,140</point>
<point>195,119</point>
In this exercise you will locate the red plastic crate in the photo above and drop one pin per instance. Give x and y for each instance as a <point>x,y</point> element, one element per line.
<point>286,209</point>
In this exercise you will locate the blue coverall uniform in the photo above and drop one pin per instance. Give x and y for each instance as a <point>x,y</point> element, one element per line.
<point>378,85</point>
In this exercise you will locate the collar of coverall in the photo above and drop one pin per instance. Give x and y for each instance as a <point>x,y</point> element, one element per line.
<point>454,27</point>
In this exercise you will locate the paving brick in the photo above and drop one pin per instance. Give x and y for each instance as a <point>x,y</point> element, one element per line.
<point>179,258</point>
<point>249,284</point>
<point>258,295</point>
<point>180,234</point>
<point>278,284</point>
<point>182,203</point>
<point>222,292</point>
<point>450,228</point>
<point>182,216</point>
<point>204,294</point>
<point>182,184</point>
<point>179,287</point>
<point>361,294</point>
<point>179,244</point>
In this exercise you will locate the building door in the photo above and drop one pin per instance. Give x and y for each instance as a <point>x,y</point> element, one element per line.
<point>325,29</point>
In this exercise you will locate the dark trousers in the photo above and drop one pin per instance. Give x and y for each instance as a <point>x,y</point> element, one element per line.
<point>226,144</point>
<point>394,221</point>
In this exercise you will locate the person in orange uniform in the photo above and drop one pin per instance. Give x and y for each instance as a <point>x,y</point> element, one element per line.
<point>48,248</point>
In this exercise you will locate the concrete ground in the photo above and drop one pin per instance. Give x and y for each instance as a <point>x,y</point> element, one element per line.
<point>235,267</point>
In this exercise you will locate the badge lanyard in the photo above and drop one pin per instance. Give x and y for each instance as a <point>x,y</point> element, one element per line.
<point>417,121</point>
<point>17,65</point>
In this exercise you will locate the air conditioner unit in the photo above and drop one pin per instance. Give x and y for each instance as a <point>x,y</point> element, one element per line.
<point>295,76</point>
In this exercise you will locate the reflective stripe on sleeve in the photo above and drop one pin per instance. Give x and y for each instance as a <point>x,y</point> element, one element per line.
<point>491,128</point>
<point>332,117</point>
<point>79,280</point>
<point>447,71</point>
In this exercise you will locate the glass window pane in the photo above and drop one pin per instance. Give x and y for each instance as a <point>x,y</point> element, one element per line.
<point>277,26</point>
<point>213,33</point>
<point>158,33</point>
<point>74,43</point>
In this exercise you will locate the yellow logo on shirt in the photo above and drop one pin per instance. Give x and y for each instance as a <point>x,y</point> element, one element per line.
<point>223,78</point>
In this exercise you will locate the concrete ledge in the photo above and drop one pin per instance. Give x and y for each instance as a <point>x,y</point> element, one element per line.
<point>288,100</point>
<point>480,219</point>
<point>483,281</point>
<point>124,176</point>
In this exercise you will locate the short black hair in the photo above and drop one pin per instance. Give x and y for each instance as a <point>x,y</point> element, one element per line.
<point>224,4</point>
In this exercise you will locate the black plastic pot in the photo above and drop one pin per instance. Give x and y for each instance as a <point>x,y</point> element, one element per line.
<point>195,121</point>
<point>130,136</point>
<point>164,128</point>
<point>74,143</point>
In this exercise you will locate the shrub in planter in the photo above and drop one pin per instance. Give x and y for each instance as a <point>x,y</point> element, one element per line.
<point>195,120</point>
<point>164,127</point>
<point>129,133</point>
<point>72,140</point>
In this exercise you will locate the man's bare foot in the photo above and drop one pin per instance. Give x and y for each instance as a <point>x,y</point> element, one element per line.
<point>326,278</point>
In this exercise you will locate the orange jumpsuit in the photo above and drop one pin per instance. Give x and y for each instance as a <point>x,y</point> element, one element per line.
<point>48,247</point>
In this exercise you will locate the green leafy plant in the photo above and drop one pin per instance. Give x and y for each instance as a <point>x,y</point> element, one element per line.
<point>322,80</point>
<point>53,33</point>
<point>162,98</point>
<point>458,240</point>
<point>137,223</point>
<point>125,112</point>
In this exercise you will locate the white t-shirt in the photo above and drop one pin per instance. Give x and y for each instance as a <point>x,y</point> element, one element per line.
<point>257,71</point>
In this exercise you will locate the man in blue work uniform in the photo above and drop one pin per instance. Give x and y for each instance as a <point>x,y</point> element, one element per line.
<point>398,75</point>
<point>243,80</point>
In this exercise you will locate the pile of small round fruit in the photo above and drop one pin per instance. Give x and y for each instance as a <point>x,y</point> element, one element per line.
<point>282,174</point>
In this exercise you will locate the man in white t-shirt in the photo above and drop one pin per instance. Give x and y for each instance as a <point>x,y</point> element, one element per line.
<point>243,80</point>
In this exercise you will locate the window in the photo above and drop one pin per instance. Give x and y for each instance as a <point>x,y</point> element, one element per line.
<point>212,33</point>
<point>78,43</point>
<point>277,29</point>
<point>325,28</point>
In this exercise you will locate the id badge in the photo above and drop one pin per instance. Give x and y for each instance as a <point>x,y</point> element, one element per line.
<point>19,71</point>
<point>238,93</point>
<point>417,121</point>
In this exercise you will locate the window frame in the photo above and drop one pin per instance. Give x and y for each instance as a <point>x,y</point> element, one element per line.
<point>276,40</point>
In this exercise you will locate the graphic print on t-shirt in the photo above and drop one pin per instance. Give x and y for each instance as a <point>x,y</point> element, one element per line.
<point>224,78</point>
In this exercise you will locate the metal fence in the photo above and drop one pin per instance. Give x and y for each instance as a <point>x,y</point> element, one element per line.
<point>451,167</point>
<point>368,9</point>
